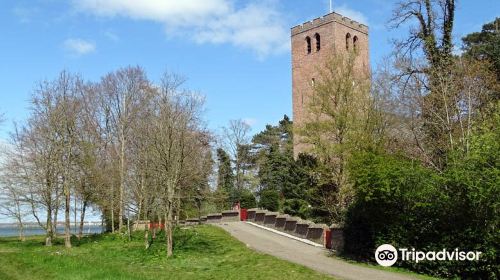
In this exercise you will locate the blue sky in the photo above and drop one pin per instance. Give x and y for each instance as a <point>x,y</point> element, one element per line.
<point>236,53</point>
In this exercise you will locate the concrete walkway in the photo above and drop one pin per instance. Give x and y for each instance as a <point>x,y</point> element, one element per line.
<point>304,254</point>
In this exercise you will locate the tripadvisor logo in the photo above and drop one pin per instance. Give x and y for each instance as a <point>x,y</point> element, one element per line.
<point>387,255</point>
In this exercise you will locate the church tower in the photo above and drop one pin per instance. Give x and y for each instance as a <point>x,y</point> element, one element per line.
<point>312,43</point>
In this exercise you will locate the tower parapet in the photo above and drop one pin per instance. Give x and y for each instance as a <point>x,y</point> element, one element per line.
<point>331,17</point>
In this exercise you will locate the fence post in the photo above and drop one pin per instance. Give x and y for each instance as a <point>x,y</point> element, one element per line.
<point>328,239</point>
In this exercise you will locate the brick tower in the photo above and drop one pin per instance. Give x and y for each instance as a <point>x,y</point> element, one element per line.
<point>312,43</point>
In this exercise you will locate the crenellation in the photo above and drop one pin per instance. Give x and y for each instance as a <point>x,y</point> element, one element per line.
<point>306,26</point>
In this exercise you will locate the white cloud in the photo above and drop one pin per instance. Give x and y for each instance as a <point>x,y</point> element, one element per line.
<point>256,26</point>
<point>352,14</point>
<point>250,121</point>
<point>458,51</point>
<point>24,14</point>
<point>79,46</point>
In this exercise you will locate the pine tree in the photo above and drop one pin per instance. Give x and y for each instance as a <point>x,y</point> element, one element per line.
<point>225,176</point>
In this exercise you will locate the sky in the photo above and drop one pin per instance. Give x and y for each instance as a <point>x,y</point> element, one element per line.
<point>235,53</point>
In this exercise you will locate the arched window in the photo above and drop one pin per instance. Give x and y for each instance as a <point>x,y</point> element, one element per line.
<point>318,41</point>
<point>308,41</point>
<point>355,43</point>
<point>347,40</point>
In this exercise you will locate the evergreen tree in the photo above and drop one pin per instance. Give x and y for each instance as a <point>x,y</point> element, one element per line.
<point>279,173</point>
<point>225,176</point>
<point>275,156</point>
<point>485,45</point>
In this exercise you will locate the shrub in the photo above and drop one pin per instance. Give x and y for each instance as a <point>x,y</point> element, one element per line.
<point>402,203</point>
<point>297,207</point>
<point>269,199</point>
<point>247,200</point>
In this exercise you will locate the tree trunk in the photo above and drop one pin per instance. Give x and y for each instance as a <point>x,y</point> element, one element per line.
<point>21,231</point>
<point>49,233</point>
<point>122,178</point>
<point>74,212</point>
<point>168,232</point>
<point>128,225</point>
<point>177,209</point>
<point>56,213</point>
<point>112,208</point>
<point>19,219</point>
<point>67,229</point>
<point>82,219</point>
<point>146,238</point>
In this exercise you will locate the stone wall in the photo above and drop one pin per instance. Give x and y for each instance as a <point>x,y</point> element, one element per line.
<point>214,218</point>
<point>337,238</point>
<point>231,216</point>
<point>270,219</point>
<point>259,216</point>
<point>330,237</point>
<point>301,229</point>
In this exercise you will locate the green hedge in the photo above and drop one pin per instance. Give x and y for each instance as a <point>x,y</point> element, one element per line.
<point>247,200</point>
<point>402,203</point>
<point>270,200</point>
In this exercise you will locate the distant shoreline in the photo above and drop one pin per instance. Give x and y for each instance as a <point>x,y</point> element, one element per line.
<point>13,230</point>
<point>35,224</point>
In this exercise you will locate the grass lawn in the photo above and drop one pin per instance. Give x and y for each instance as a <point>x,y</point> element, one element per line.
<point>390,269</point>
<point>202,252</point>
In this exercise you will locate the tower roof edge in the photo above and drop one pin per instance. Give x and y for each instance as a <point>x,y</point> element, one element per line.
<point>330,17</point>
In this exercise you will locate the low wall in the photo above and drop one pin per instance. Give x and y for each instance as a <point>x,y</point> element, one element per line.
<point>337,238</point>
<point>192,221</point>
<point>330,237</point>
<point>251,214</point>
<point>280,222</point>
<point>230,216</point>
<point>301,228</point>
<point>270,219</point>
<point>214,218</point>
<point>140,225</point>
<point>316,233</point>
<point>259,216</point>
<point>290,225</point>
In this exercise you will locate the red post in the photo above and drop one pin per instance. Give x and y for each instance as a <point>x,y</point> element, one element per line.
<point>328,239</point>
<point>243,214</point>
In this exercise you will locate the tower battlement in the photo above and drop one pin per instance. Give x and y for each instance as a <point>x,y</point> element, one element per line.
<point>328,18</point>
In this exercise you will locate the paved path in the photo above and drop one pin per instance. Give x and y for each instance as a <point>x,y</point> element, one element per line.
<point>301,253</point>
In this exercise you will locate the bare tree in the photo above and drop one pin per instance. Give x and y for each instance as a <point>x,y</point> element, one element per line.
<point>236,139</point>
<point>175,135</point>
<point>122,96</point>
<point>431,77</point>
<point>440,95</point>
<point>83,139</point>
<point>12,204</point>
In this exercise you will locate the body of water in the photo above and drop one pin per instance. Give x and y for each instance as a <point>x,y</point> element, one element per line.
<point>14,231</point>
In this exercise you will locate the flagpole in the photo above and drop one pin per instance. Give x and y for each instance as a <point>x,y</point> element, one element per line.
<point>331,7</point>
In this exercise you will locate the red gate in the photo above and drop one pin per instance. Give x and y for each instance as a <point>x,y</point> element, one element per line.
<point>243,214</point>
<point>328,239</point>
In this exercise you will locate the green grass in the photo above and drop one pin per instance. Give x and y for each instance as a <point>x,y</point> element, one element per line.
<point>202,252</point>
<point>394,269</point>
